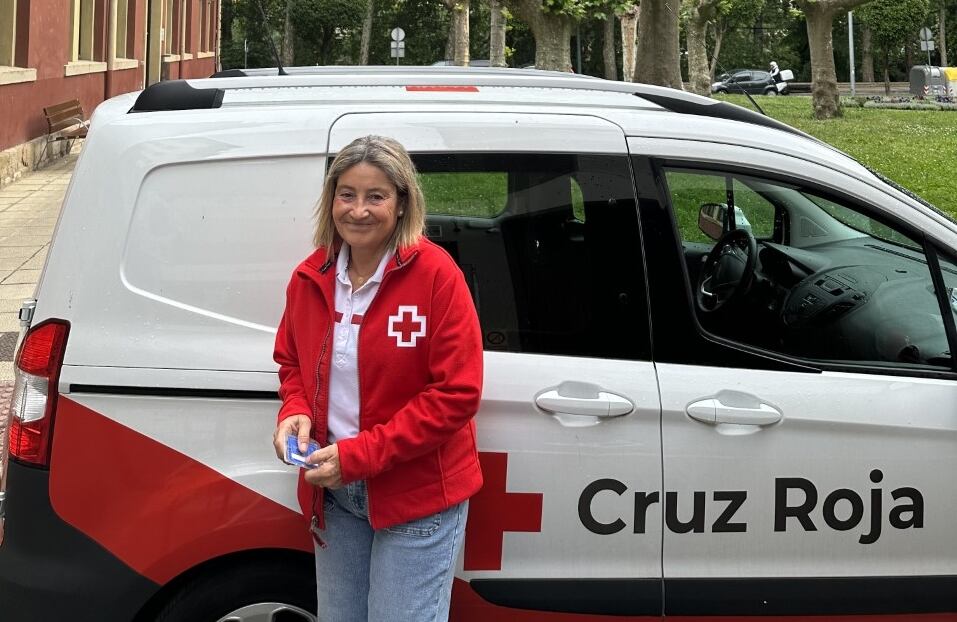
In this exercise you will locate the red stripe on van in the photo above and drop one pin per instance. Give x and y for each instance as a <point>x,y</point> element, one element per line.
<point>157,510</point>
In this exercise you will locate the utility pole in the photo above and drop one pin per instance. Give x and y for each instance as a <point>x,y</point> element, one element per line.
<point>850,48</point>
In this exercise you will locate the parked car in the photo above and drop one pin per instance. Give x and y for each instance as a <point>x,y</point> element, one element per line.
<point>719,357</point>
<point>753,81</point>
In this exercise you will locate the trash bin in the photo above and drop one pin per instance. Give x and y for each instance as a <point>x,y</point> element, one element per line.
<point>927,81</point>
<point>950,78</point>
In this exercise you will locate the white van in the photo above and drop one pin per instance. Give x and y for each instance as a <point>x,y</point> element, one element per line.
<point>672,425</point>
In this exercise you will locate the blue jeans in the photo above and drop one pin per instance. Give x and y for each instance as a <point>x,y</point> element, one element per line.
<point>399,574</point>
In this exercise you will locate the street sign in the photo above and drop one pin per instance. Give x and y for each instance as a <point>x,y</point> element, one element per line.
<point>397,34</point>
<point>397,49</point>
<point>927,46</point>
<point>926,34</point>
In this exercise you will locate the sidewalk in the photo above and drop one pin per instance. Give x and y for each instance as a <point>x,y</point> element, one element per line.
<point>29,208</point>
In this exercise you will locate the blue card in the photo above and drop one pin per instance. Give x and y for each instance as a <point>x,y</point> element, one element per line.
<point>294,456</point>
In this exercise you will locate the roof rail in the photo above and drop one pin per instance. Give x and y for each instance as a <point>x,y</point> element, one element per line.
<point>720,110</point>
<point>176,95</point>
<point>208,92</point>
<point>237,73</point>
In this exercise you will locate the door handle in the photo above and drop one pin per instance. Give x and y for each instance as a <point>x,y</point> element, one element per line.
<point>601,404</point>
<point>713,411</point>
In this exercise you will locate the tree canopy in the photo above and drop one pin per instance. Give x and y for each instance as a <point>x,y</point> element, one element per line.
<point>728,34</point>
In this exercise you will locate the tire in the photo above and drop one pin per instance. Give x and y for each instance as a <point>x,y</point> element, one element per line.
<point>771,92</point>
<point>245,593</point>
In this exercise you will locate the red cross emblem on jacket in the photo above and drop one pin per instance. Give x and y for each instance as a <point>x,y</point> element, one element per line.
<point>407,326</point>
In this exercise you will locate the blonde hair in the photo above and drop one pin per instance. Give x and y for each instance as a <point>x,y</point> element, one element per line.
<point>389,156</point>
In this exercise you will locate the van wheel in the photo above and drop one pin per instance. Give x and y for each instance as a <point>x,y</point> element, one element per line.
<point>250,593</point>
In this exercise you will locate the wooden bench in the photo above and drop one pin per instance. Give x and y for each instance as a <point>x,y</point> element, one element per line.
<point>65,121</point>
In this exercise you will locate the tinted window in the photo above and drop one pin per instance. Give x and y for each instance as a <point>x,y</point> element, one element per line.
<point>830,283</point>
<point>549,245</point>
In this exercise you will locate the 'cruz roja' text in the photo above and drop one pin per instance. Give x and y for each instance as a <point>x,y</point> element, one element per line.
<point>795,498</point>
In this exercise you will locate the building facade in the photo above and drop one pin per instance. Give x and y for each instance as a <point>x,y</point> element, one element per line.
<point>52,51</point>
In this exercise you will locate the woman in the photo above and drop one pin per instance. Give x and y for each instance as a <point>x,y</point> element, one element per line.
<point>380,359</point>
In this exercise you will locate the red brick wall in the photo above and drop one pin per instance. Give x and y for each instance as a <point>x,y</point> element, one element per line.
<point>48,51</point>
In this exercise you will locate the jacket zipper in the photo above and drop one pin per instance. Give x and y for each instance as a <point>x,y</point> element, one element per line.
<point>314,524</point>
<point>399,264</point>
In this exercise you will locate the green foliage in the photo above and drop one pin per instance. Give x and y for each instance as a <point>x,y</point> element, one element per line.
<point>893,22</point>
<point>584,9</point>
<point>320,24</point>
<point>759,31</point>
<point>426,25</point>
<point>247,27</point>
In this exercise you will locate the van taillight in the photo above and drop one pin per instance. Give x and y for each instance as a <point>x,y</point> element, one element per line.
<point>35,392</point>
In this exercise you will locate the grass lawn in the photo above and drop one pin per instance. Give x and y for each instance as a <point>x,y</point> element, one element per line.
<point>915,148</point>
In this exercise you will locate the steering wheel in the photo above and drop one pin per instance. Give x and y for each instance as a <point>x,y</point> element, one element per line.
<point>727,271</point>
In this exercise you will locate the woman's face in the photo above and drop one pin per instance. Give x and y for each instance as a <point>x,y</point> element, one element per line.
<point>365,207</point>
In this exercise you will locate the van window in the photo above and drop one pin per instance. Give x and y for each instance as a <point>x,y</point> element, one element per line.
<point>691,191</point>
<point>840,287</point>
<point>481,194</point>
<point>549,245</point>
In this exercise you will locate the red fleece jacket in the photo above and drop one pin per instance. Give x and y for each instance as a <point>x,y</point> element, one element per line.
<point>420,381</point>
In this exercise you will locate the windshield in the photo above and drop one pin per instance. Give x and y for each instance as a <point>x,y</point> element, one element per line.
<point>860,222</point>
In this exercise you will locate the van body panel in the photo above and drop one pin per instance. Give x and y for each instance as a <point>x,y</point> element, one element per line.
<point>191,512</point>
<point>50,569</point>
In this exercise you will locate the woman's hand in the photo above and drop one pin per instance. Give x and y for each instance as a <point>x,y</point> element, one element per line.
<point>327,474</point>
<point>296,425</point>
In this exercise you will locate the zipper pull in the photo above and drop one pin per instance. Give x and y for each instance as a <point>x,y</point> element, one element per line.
<point>314,530</point>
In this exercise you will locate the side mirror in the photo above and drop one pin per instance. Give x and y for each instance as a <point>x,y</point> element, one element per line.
<point>713,219</point>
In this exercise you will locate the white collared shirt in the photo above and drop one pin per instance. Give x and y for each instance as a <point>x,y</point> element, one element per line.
<point>344,370</point>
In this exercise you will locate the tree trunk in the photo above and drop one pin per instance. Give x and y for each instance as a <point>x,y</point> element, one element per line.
<point>942,25</point>
<point>658,61</point>
<point>552,34</point>
<point>629,31</point>
<point>496,42</point>
<point>824,94</point>
<point>366,33</point>
<point>458,32</point>
<point>608,49</point>
<point>909,55</point>
<point>288,52</point>
<point>820,20</point>
<point>701,13</point>
<point>867,61</point>
<point>460,15</point>
<point>718,38</point>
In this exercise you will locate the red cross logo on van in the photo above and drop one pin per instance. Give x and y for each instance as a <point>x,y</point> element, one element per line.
<point>493,511</point>
<point>407,326</point>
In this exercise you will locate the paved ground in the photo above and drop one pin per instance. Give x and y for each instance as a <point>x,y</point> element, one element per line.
<point>29,209</point>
